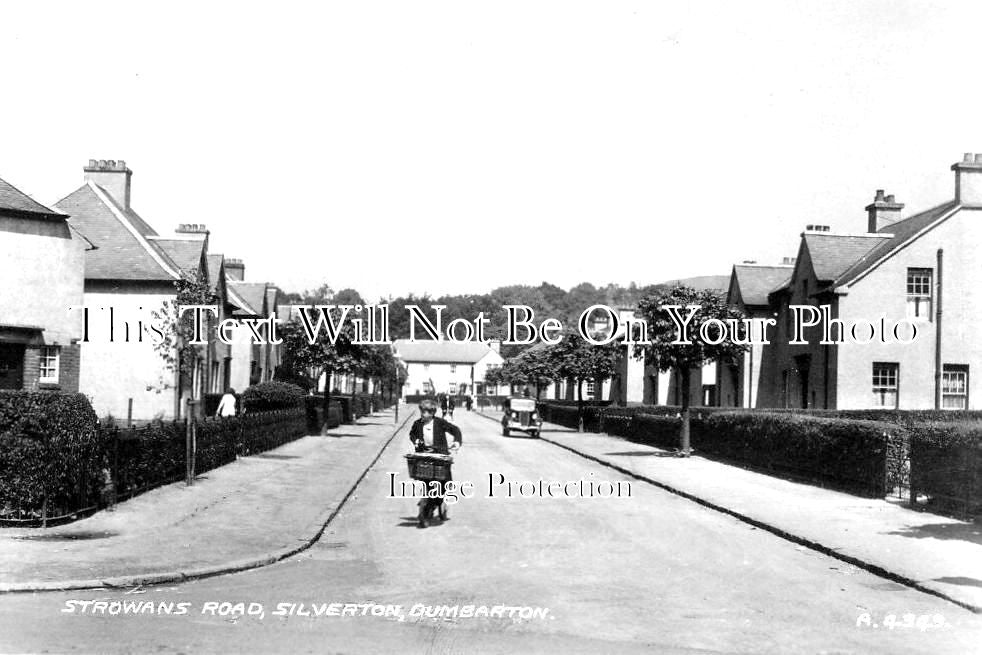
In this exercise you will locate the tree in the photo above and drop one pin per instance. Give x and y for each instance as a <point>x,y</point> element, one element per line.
<point>322,357</point>
<point>577,359</point>
<point>179,356</point>
<point>532,366</point>
<point>663,331</point>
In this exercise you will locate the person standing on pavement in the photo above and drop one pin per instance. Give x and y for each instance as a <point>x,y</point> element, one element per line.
<point>226,406</point>
<point>443,405</point>
<point>429,435</point>
<point>451,404</point>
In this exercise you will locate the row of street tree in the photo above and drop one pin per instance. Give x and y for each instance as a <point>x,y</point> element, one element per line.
<point>577,360</point>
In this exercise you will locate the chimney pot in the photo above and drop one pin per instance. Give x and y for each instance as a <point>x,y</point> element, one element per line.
<point>967,158</point>
<point>879,195</point>
<point>93,163</point>
<point>890,198</point>
<point>978,158</point>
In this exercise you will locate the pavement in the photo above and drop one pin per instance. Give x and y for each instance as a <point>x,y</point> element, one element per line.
<point>250,513</point>
<point>264,508</point>
<point>934,554</point>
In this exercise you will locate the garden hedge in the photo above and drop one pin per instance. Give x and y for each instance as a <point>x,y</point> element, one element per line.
<point>272,396</point>
<point>52,454</point>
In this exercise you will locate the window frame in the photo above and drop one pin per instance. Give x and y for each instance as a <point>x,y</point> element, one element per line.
<point>56,366</point>
<point>887,370</point>
<point>916,298</point>
<point>958,369</point>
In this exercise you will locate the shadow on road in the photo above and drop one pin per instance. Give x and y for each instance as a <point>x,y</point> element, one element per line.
<point>958,531</point>
<point>643,453</point>
<point>965,582</point>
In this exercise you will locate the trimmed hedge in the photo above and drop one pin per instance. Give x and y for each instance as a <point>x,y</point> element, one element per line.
<point>946,465</point>
<point>52,454</point>
<point>272,396</point>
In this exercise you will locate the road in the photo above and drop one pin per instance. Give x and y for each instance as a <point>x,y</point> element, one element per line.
<point>651,572</point>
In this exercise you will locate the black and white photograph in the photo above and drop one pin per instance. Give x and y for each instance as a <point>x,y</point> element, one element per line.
<point>468,327</point>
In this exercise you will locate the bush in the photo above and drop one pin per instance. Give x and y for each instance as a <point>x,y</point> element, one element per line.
<point>272,396</point>
<point>946,464</point>
<point>51,453</point>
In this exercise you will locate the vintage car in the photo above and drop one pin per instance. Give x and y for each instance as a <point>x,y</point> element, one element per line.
<point>520,414</point>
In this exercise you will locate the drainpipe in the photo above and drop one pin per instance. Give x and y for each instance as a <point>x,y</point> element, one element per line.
<point>937,336</point>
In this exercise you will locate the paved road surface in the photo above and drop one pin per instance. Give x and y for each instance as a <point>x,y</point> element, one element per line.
<point>652,572</point>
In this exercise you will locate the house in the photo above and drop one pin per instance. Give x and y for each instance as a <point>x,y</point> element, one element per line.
<point>446,366</point>
<point>251,362</point>
<point>129,279</point>
<point>894,347</point>
<point>42,267</point>
<point>750,284</point>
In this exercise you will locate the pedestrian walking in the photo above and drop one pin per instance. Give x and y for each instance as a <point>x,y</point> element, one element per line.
<point>226,406</point>
<point>451,404</point>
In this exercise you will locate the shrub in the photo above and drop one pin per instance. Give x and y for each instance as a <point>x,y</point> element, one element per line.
<point>271,396</point>
<point>51,452</point>
<point>946,464</point>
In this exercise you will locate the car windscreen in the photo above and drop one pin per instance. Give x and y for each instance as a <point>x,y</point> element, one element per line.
<point>522,405</point>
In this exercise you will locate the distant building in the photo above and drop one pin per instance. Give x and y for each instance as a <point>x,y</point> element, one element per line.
<point>447,367</point>
<point>42,269</point>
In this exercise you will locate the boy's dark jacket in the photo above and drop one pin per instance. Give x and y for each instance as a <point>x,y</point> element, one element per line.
<point>440,430</point>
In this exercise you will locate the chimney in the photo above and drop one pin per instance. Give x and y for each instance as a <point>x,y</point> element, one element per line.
<point>234,269</point>
<point>968,180</point>
<point>817,228</point>
<point>882,212</point>
<point>113,176</point>
<point>788,261</point>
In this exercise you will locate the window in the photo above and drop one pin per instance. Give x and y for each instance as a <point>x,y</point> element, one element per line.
<point>954,386</point>
<point>885,385</point>
<point>426,367</point>
<point>453,368</point>
<point>591,388</point>
<point>492,390</point>
<point>919,293</point>
<point>453,388</point>
<point>49,364</point>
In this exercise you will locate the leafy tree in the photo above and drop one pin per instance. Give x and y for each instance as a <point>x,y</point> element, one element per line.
<point>178,355</point>
<point>322,357</point>
<point>576,359</point>
<point>683,357</point>
<point>532,366</point>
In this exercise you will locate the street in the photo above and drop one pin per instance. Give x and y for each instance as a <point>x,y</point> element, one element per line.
<point>534,572</point>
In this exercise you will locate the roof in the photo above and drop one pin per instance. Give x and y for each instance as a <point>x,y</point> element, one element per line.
<point>249,294</point>
<point>15,200</point>
<point>468,352</point>
<point>832,254</point>
<point>756,281</point>
<point>185,253</point>
<point>124,252</point>
<point>903,231</point>
<point>215,271</point>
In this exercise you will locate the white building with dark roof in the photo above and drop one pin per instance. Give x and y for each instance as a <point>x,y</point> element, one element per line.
<point>129,276</point>
<point>41,265</point>
<point>435,367</point>
<point>903,271</point>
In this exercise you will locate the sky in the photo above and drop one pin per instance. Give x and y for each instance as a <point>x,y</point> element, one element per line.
<point>455,147</point>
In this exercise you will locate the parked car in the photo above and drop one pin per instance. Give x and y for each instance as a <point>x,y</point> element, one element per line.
<point>520,414</point>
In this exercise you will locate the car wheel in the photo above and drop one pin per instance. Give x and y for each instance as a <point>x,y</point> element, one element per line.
<point>505,432</point>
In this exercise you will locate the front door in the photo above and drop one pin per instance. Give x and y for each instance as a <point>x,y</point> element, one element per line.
<point>11,366</point>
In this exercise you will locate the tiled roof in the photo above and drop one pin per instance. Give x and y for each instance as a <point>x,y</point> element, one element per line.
<point>832,254</point>
<point>902,231</point>
<point>469,352</point>
<point>215,270</point>
<point>186,253</point>
<point>123,252</point>
<point>756,282</point>
<point>252,294</point>
<point>12,199</point>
